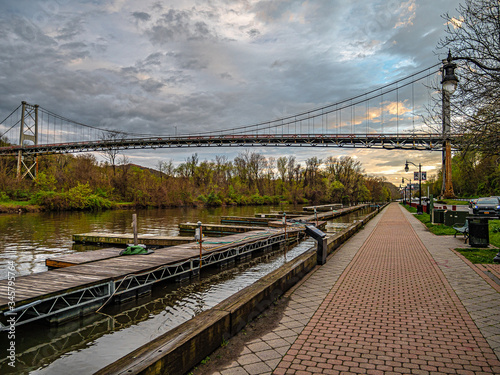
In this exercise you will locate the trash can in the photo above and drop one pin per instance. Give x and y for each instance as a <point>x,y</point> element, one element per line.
<point>438,216</point>
<point>455,217</point>
<point>479,235</point>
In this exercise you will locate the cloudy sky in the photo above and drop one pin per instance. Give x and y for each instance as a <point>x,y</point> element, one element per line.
<point>157,67</point>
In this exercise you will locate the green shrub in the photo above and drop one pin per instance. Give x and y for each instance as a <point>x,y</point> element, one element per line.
<point>3,196</point>
<point>257,199</point>
<point>20,195</point>
<point>213,200</point>
<point>77,198</point>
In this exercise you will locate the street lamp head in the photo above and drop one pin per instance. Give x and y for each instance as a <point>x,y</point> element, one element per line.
<point>407,168</point>
<point>450,80</point>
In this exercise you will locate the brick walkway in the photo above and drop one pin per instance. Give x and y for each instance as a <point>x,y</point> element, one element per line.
<point>391,309</point>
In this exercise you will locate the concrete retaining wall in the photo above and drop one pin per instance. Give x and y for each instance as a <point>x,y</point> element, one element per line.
<point>182,348</point>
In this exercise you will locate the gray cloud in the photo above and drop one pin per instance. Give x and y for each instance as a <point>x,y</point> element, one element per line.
<point>178,25</point>
<point>141,16</point>
<point>70,30</point>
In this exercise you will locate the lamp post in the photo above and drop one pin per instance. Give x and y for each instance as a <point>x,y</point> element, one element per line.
<point>403,181</point>
<point>407,168</point>
<point>449,85</point>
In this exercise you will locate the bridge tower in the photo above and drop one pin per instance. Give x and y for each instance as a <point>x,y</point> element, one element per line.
<point>28,165</point>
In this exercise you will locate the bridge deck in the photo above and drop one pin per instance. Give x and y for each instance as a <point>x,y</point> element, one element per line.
<point>398,141</point>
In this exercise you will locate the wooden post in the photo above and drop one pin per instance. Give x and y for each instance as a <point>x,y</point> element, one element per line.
<point>316,216</point>
<point>284,223</point>
<point>200,236</point>
<point>134,227</point>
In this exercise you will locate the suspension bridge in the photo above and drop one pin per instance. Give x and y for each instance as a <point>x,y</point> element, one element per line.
<point>389,117</point>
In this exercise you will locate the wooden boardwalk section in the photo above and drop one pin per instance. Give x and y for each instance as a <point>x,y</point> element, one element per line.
<point>217,229</point>
<point>324,207</point>
<point>125,239</point>
<point>75,259</point>
<point>81,288</point>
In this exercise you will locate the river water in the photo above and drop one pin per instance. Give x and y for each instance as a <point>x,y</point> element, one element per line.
<point>86,345</point>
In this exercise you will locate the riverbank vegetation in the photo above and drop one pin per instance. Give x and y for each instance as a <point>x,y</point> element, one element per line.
<point>67,182</point>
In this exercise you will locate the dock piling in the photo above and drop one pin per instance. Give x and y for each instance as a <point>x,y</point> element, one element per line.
<point>134,227</point>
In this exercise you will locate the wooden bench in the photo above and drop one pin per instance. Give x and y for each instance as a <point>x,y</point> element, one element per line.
<point>463,230</point>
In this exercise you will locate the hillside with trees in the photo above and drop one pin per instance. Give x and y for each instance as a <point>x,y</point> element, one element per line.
<point>67,182</point>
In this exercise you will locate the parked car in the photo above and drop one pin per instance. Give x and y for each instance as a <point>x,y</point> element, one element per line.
<point>487,206</point>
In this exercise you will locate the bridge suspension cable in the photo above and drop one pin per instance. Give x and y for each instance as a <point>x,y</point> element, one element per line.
<point>330,108</point>
<point>7,120</point>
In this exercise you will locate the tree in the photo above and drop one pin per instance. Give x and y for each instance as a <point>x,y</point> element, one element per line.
<point>191,163</point>
<point>336,191</point>
<point>474,42</point>
<point>281,165</point>
<point>111,152</point>
<point>165,168</point>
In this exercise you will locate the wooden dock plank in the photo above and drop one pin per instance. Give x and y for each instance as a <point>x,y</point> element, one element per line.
<point>324,207</point>
<point>278,216</point>
<point>93,269</point>
<point>218,228</point>
<point>125,239</point>
<point>45,284</point>
<point>246,221</point>
<point>82,257</point>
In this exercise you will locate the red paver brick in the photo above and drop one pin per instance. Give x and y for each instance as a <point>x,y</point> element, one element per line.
<point>394,311</point>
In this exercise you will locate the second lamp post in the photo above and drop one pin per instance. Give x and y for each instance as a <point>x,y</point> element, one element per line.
<point>419,207</point>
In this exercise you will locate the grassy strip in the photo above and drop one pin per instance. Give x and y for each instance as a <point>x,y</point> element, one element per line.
<point>15,203</point>
<point>441,229</point>
<point>479,256</point>
<point>474,255</point>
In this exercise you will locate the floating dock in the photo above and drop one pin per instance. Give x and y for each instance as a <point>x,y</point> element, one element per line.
<point>324,207</point>
<point>188,229</point>
<point>247,220</point>
<point>76,290</point>
<point>75,259</point>
<point>125,239</point>
<point>280,215</point>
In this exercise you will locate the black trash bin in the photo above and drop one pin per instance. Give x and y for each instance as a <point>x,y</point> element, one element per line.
<point>438,216</point>
<point>479,235</point>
